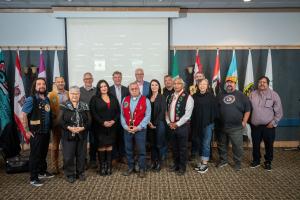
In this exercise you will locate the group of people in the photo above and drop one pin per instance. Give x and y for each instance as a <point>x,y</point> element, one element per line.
<point>120,121</point>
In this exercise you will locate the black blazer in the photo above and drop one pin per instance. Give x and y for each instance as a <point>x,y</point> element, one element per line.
<point>159,109</point>
<point>124,91</point>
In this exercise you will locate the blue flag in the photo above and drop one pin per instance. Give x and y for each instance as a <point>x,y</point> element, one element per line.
<point>232,71</point>
<point>5,111</point>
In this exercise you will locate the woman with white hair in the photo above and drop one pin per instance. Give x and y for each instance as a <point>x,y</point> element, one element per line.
<point>75,121</point>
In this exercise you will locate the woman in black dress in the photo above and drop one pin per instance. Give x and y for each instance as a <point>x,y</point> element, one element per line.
<point>156,127</point>
<point>105,111</point>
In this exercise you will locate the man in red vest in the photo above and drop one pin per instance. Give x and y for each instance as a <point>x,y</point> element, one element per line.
<point>135,115</point>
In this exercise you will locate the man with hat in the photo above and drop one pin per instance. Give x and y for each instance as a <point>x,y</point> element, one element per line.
<point>234,113</point>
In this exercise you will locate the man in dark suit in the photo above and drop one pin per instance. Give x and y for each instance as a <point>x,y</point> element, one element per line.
<point>120,92</point>
<point>143,85</point>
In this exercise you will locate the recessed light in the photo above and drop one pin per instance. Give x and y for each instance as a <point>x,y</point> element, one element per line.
<point>246,0</point>
<point>8,0</point>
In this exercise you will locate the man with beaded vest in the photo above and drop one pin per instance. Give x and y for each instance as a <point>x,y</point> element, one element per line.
<point>58,96</point>
<point>36,120</point>
<point>179,111</point>
<point>135,116</point>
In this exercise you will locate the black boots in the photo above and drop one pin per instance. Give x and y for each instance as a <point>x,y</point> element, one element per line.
<point>105,163</point>
<point>102,166</point>
<point>108,163</point>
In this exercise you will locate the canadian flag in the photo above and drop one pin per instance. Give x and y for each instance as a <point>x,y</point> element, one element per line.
<point>19,97</point>
<point>216,79</point>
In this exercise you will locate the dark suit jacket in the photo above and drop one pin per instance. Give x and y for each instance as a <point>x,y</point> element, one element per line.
<point>159,109</point>
<point>146,88</point>
<point>124,91</point>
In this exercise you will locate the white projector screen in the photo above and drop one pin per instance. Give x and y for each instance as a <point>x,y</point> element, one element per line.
<point>102,46</point>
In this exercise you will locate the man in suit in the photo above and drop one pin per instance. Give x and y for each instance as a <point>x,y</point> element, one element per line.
<point>120,92</point>
<point>143,85</point>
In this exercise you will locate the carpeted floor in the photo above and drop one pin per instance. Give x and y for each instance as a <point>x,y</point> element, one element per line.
<point>225,183</point>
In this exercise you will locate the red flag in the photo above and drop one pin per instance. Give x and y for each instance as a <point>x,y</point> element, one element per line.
<point>19,97</point>
<point>198,66</point>
<point>216,79</point>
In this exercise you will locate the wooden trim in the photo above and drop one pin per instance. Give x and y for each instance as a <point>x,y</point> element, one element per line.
<point>115,9</point>
<point>237,10</point>
<point>33,48</point>
<point>214,47</point>
<point>21,10</point>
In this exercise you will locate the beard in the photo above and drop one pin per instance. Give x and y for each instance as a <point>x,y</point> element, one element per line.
<point>229,89</point>
<point>41,91</point>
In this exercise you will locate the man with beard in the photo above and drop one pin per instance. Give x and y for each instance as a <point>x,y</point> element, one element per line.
<point>234,113</point>
<point>36,120</point>
<point>57,97</point>
<point>197,78</point>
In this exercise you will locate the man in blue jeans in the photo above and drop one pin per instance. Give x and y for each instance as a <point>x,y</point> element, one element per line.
<point>135,115</point>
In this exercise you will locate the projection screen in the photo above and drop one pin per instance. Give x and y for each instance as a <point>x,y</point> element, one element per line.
<point>104,45</point>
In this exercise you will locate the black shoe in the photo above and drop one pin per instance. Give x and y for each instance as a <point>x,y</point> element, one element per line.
<point>268,166</point>
<point>71,179</point>
<point>45,175</point>
<point>202,169</point>
<point>36,183</point>
<point>157,167</point>
<point>221,164</point>
<point>173,168</point>
<point>180,172</point>
<point>109,169</point>
<point>128,172</point>
<point>142,173</point>
<point>254,164</point>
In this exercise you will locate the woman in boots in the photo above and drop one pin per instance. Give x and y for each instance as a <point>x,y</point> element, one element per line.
<point>156,126</point>
<point>105,111</point>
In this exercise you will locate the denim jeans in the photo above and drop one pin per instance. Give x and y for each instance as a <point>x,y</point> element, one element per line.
<point>140,141</point>
<point>205,141</point>
<point>157,141</point>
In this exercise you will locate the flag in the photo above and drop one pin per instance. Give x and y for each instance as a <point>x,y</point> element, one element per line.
<point>232,71</point>
<point>216,79</point>
<point>2,64</point>
<point>175,66</point>
<point>19,97</point>
<point>5,111</point>
<point>198,66</point>
<point>56,72</point>
<point>249,80</point>
<point>42,69</point>
<point>269,71</point>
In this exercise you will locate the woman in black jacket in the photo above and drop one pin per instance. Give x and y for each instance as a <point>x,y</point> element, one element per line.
<point>156,127</point>
<point>204,114</point>
<point>75,122</point>
<point>105,111</point>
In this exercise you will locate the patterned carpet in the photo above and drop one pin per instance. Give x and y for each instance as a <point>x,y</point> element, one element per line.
<point>225,183</point>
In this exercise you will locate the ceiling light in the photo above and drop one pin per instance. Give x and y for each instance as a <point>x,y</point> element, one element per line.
<point>246,0</point>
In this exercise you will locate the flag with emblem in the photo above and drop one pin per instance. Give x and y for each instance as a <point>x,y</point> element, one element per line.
<point>5,110</point>
<point>269,70</point>
<point>19,97</point>
<point>249,80</point>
